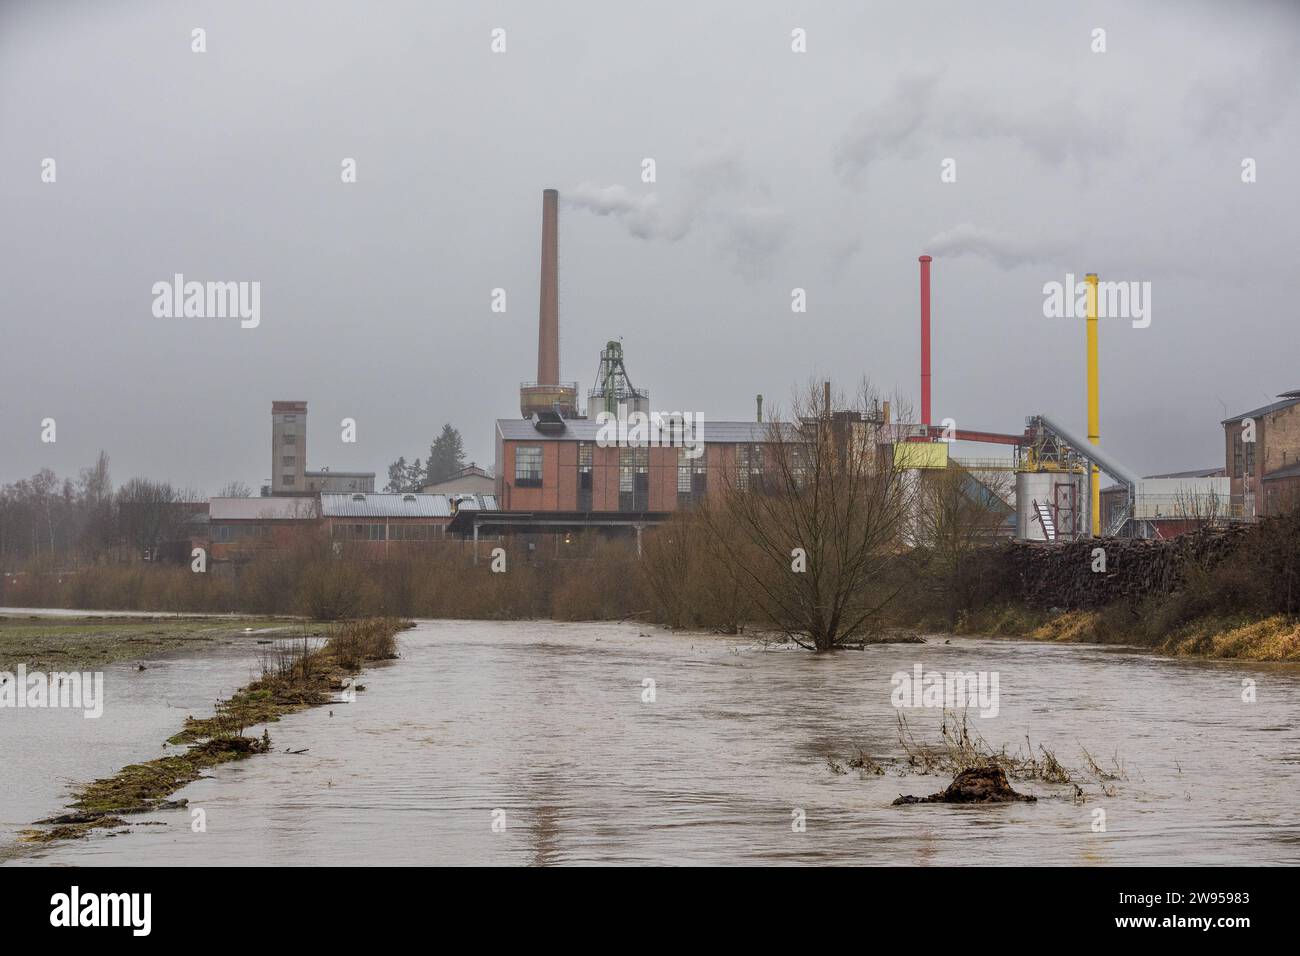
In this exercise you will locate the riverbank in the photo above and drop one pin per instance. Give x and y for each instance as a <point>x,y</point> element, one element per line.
<point>92,642</point>
<point>1223,636</point>
<point>295,676</point>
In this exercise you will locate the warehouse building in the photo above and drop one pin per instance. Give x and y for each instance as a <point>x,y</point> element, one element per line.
<point>1262,454</point>
<point>381,524</point>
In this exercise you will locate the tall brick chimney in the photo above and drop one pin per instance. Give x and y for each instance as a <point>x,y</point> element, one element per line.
<point>548,319</point>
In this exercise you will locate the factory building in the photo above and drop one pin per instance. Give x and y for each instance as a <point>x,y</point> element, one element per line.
<point>289,472</point>
<point>359,523</point>
<point>288,448</point>
<point>381,524</point>
<point>543,466</point>
<point>239,529</point>
<point>1262,457</point>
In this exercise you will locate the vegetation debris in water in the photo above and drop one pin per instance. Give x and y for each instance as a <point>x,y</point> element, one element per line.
<point>296,675</point>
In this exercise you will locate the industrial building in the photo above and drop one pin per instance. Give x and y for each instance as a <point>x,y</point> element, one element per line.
<point>359,523</point>
<point>289,472</point>
<point>551,469</point>
<point>239,529</point>
<point>383,524</point>
<point>1262,457</point>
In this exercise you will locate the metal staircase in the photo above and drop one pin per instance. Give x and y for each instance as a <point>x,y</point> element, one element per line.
<point>1045,518</point>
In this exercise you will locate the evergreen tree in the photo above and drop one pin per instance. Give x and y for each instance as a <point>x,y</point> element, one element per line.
<point>446,455</point>
<point>396,476</point>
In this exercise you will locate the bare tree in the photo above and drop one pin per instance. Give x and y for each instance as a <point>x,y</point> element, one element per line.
<point>692,586</point>
<point>820,509</point>
<point>1199,509</point>
<point>235,489</point>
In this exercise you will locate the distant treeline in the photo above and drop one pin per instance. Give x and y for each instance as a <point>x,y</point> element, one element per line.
<point>70,523</point>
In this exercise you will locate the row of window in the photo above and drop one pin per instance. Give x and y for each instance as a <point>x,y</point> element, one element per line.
<point>239,532</point>
<point>381,532</point>
<point>631,461</point>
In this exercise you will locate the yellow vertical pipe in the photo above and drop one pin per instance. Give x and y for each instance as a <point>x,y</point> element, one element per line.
<point>1094,404</point>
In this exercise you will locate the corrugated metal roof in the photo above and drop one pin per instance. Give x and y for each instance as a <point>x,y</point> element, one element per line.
<point>1290,471</point>
<point>377,505</point>
<point>1263,410</point>
<point>269,508</point>
<point>521,429</point>
<point>410,505</point>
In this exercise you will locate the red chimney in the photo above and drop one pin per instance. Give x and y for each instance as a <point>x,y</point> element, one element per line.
<point>925,339</point>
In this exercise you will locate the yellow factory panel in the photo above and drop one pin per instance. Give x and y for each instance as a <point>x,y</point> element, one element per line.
<point>929,454</point>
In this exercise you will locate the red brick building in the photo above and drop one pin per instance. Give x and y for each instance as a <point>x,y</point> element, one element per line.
<point>241,528</point>
<point>561,467</point>
<point>1265,472</point>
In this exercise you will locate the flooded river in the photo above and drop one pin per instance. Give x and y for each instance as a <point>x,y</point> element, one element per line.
<point>534,743</point>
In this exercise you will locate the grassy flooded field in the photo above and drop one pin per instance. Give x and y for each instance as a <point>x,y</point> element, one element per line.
<point>305,670</point>
<point>60,643</point>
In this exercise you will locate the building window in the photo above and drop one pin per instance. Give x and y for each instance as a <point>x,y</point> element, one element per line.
<point>1243,456</point>
<point>291,439</point>
<point>584,466</point>
<point>528,466</point>
<point>290,418</point>
<point>289,479</point>
<point>633,478</point>
<point>289,461</point>
<point>410,532</point>
<point>749,466</point>
<point>362,532</point>
<point>585,475</point>
<point>692,478</point>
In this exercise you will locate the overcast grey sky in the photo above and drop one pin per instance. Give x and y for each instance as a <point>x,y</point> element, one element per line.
<point>775,170</point>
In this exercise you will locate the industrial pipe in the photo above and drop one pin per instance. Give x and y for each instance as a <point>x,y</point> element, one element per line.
<point>925,338</point>
<point>1094,405</point>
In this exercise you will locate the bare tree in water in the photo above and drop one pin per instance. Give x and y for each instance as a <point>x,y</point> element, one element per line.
<point>815,514</point>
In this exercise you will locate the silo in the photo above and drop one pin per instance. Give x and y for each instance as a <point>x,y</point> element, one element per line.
<point>1053,490</point>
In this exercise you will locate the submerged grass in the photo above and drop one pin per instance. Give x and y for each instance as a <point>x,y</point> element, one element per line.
<point>55,643</point>
<point>295,675</point>
<point>962,748</point>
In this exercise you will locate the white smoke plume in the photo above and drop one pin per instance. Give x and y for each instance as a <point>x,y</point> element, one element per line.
<point>1004,250</point>
<point>921,114</point>
<point>713,196</point>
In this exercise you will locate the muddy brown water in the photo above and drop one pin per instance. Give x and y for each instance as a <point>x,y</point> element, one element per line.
<point>541,729</point>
